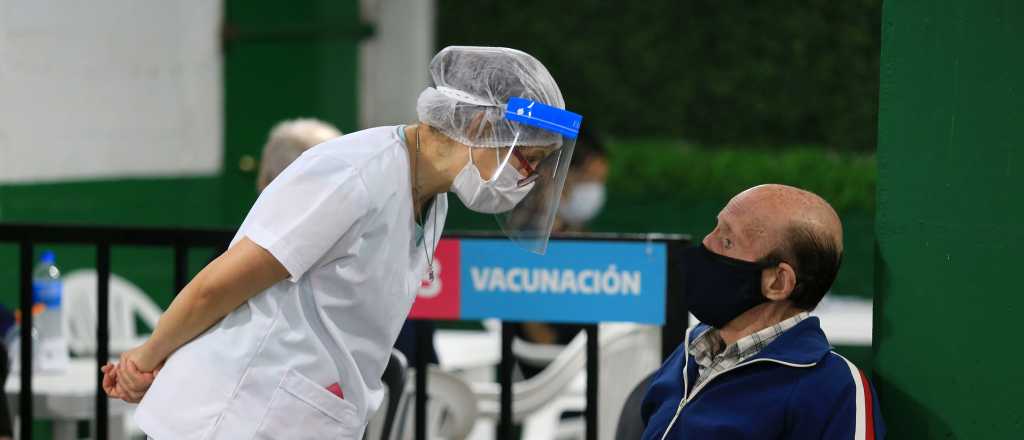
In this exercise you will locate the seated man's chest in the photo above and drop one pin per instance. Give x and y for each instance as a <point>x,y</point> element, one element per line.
<point>749,402</point>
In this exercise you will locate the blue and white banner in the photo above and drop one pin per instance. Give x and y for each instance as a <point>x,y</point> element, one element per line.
<point>576,281</point>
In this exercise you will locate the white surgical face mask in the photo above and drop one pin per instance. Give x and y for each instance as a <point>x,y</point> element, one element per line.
<point>500,194</point>
<point>582,203</point>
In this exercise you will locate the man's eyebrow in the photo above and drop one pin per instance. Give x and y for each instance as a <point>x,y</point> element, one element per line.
<point>724,223</point>
<point>737,235</point>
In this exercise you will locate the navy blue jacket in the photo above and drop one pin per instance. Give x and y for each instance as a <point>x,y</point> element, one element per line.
<point>796,388</point>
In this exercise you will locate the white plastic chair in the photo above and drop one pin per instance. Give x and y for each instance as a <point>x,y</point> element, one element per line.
<point>627,352</point>
<point>451,407</point>
<point>126,301</point>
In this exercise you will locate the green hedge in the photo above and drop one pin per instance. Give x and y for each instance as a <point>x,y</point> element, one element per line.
<point>675,171</point>
<point>711,71</point>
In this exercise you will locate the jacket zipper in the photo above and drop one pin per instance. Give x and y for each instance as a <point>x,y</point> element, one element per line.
<point>686,383</point>
<point>687,397</point>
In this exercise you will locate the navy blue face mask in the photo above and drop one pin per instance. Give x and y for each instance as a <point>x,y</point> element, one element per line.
<point>719,288</point>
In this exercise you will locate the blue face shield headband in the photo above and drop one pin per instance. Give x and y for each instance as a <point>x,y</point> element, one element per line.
<point>553,119</point>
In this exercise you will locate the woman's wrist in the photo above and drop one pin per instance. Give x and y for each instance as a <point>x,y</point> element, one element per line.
<point>147,357</point>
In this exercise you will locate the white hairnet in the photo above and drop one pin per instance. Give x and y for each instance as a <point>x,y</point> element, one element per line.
<point>472,86</point>
<point>289,139</point>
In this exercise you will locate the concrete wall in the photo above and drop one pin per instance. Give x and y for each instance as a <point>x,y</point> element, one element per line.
<point>109,89</point>
<point>393,62</point>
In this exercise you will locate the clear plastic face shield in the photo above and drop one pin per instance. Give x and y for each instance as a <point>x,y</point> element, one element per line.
<point>531,171</point>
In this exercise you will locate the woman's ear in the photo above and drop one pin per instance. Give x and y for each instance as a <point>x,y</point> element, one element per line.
<point>477,127</point>
<point>778,282</point>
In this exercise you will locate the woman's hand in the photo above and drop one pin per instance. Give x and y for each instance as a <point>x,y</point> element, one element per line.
<point>110,380</point>
<point>130,378</point>
<point>132,384</point>
<point>135,373</point>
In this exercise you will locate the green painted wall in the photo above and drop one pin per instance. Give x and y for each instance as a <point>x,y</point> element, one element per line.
<point>282,62</point>
<point>950,209</point>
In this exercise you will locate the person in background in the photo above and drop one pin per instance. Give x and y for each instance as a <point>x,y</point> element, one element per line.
<point>584,194</point>
<point>288,140</point>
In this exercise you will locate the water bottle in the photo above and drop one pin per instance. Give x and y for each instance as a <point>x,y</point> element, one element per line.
<point>47,288</point>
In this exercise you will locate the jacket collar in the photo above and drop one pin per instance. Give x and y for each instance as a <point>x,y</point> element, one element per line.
<point>804,344</point>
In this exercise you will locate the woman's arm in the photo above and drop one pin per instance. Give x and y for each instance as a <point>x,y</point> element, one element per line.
<point>245,270</point>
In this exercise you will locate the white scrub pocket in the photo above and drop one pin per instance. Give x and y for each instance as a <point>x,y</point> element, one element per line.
<point>301,409</point>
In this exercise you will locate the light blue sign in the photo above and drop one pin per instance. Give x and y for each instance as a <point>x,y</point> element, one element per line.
<point>576,281</point>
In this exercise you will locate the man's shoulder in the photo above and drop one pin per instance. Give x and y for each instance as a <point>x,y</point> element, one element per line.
<point>832,377</point>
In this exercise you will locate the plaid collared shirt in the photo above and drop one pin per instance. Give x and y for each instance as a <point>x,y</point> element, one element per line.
<point>713,356</point>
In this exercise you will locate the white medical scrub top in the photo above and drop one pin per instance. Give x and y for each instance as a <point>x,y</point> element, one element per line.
<point>341,220</point>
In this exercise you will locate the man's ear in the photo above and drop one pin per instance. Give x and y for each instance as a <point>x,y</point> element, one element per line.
<point>778,282</point>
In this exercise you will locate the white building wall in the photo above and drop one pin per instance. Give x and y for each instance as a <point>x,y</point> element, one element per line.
<point>109,88</point>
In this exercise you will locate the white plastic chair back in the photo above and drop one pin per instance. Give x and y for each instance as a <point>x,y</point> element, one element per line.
<point>627,353</point>
<point>451,408</point>
<point>126,301</point>
<point>625,361</point>
<point>535,354</point>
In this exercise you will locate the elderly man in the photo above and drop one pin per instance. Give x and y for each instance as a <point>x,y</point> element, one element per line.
<point>288,140</point>
<point>758,366</point>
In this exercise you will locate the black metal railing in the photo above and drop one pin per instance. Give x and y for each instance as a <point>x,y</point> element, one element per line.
<point>26,236</point>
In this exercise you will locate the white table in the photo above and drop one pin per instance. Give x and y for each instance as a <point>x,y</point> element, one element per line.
<point>67,398</point>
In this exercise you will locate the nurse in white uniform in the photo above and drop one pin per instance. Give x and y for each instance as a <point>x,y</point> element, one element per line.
<point>287,333</point>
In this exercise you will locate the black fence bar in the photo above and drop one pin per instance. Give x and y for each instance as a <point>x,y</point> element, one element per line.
<point>423,347</point>
<point>180,266</point>
<point>25,398</point>
<point>676,316</point>
<point>102,336</point>
<point>593,377</point>
<point>506,425</point>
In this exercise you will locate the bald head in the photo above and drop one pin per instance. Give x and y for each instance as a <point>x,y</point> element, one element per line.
<point>771,209</point>
<point>783,224</point>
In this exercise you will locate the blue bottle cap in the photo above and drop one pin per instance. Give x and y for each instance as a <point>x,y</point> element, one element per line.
<point>48,257</point>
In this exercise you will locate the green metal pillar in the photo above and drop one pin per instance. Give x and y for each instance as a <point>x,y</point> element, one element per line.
<point>949,302</point>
